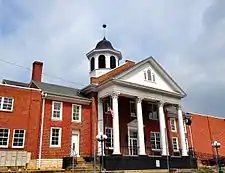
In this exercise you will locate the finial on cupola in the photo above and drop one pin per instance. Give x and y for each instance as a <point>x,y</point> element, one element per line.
<point>104,27</point>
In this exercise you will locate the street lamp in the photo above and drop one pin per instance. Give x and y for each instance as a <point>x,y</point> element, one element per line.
<point>216,145</point>
<point>101,138</point>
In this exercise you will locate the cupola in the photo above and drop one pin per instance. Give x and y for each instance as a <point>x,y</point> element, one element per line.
<point>103,58</point>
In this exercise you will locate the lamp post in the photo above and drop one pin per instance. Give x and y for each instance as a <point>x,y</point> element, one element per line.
<point>216,146</point>
<point>101,138</point>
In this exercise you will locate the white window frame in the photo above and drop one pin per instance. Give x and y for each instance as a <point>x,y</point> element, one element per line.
<point>80,112</point>
<point>152,115</point>
<point>60,137</point>
<point>61,110</point>
<point>186,142</point>
<point>133,114</point>
<point>146,75</point>
<point>185,127</point>
<point>171,125</point>
<point>111,136</point>
<point>155,149</point>
<point>2,102</point>
<point>24,137</point>
<point>177,143</point>
<point>6,146</point>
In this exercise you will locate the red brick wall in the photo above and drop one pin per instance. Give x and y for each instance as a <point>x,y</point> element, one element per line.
<point>25,115</point>
<point>67,126</point>
<point>205,130</point>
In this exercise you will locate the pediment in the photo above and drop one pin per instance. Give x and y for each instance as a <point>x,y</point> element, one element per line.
<point>150,74</point>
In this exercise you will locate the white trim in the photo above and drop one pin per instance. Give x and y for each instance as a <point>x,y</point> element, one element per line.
<point>154,132</point>
<point>60,136</point>
<point>42,128</point>
<point>177,143</point>
<point>6,146</point>
<point>80,112</point>
<point>20,87</point>
<point>61,110</point>
<point>129,145</point>
<point>133,114</point>
<point>185,127</point>
<point>111,136</point>
<point>175,126</point>
<point>78,136</point>
<point>187,145</point>
<point>2,102</point>
<point>24,137</point>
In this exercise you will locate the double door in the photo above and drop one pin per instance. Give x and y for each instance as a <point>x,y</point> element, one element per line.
<point>133,141</point>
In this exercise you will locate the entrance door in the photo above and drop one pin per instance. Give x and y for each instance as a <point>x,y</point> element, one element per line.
<point>133,141</point>
<point>75,143</point>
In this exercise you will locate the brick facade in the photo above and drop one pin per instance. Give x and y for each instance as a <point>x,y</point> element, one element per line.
<point>25,115</point>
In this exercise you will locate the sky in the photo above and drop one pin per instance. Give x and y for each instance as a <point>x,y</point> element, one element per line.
<point>186,37</point>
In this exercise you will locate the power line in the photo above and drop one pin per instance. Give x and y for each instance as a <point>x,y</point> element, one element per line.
<point>52,76</point>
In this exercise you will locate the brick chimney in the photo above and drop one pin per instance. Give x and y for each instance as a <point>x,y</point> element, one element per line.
<point>37,71</point>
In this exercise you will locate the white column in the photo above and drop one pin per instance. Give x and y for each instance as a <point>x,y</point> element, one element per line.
<point>181,131</point>
<point>100,123</point>
<point>162,123</point>
<point>96,62</point>
<point>141,140</point>
<point>116,134</point>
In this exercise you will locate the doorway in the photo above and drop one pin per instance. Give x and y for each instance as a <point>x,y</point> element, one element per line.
<point>75,143</point>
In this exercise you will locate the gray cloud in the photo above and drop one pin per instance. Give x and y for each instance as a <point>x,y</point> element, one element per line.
<point>186,37</point>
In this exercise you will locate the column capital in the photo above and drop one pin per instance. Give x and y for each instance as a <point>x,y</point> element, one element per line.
<point>178,106</point>
<point>115,94</point>
<point>139,99</point>
<point>100,100</point>
<point>161,103</point>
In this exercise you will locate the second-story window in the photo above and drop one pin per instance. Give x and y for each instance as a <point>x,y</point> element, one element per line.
<point>133,108</point>
<point>6,103</point>
<point>76,112</point>
<point>56,110</point>
<point>173,124</point>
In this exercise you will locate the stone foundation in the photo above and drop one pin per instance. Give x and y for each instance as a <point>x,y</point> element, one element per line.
<point>45,164</point>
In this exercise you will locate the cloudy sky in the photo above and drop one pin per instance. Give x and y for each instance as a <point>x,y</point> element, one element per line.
<point>186,37</point>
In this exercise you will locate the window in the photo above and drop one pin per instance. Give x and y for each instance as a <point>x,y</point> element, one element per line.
<point>101,61</point>
<point>133,108</point>
<point>152,109</point>
<point>186,142</point>
<point>56,110</point>
<point>155,140</point>
<point>109,140</point>
<point>175,144</point>
<point>112,62</point>
<point>18,138</point>
<point>92,63</point>
<point>4,137</point>
<point>6,103</point>
<point>76,112</point>
<point>149,75</point>
<point>55,138</point>
<point>173,125</point>
<point>185,127</point>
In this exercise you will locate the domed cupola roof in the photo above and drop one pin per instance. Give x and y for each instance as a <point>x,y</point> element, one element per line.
<point>104,44</point>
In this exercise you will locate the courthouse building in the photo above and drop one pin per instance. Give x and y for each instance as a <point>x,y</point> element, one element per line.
<point>136,104</point>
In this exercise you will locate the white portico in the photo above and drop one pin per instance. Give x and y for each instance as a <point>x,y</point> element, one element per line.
<point>145,81</point>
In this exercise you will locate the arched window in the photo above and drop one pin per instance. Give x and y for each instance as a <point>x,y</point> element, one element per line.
<point>112,62</point>
<point>92,63</point>
<point>149,74</point>
<point>101,61</point>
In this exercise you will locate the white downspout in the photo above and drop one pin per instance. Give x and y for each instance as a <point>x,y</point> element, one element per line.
<point>42,127</point>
